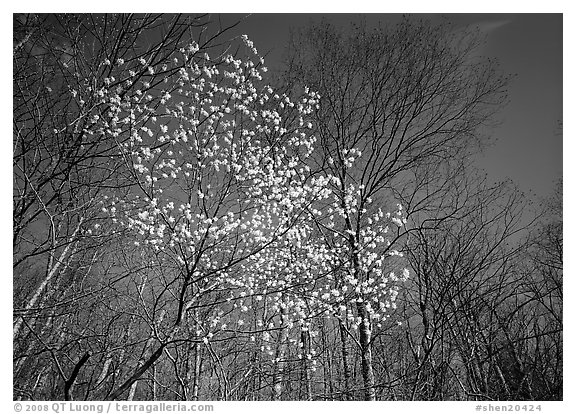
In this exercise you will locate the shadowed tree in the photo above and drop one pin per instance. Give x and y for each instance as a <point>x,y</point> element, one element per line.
<point>184,231</point>
<point>398,105</point>
<point>63,161</point>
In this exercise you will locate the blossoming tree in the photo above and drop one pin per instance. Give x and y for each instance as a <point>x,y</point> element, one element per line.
<point>184,231</point>
<point>226,199</point>
<point>398,116</point>
<point>226,233</point>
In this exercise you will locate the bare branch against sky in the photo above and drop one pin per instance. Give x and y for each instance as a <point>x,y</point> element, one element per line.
<point>287,207</point>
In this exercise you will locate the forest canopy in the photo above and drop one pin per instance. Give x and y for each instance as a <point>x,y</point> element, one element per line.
<point>188,225</point>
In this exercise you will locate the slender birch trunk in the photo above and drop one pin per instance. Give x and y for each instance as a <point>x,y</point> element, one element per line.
<point>345,364</point>
<point>280,356</point>
<point>364,328</point>
<point>47,324</point>
<point>366,352</point>
<point>328,382</point>
<point>103,373</point>
<point>197,362</point>
<point>53,267</point>
<point>142,360</point>
<point>306,374</point>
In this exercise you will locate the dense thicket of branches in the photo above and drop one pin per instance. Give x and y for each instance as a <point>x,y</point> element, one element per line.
<point>184,231</point>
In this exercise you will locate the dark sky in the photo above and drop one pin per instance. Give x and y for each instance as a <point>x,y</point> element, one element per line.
<point>529,141</point>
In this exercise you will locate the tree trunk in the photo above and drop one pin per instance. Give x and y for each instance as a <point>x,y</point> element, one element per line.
<point>103,373</point>
<point>365,332</point>
<point>142,360</point>
<point>366,352</point>
<point>345,365</point>
<point>53,269</point>
<point>197,361</point>
<point>154,388</point>
<point>280,356</point>
<point>71,381</point>
<point>137,374</point>
<point>328,383</point>
<point>305,339</point>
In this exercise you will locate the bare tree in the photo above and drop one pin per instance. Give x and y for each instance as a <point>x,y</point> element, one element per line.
<point>395,101</point>
<point>185,231</point>
<point>64,163</point>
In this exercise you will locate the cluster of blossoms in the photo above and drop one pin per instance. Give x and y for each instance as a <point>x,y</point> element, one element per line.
<point>226,192</point>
